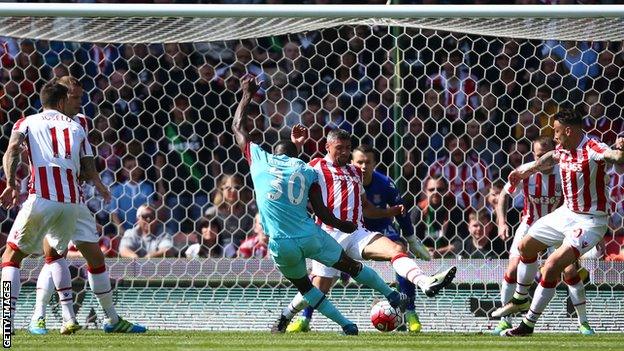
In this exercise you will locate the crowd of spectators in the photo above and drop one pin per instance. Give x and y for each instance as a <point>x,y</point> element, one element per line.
<point>463,119</point>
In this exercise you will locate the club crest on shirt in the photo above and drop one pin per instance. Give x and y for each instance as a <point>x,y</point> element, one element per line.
<point>571,166</point>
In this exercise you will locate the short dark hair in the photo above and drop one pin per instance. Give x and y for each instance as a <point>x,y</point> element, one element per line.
<point>436,178</point>
<point>499,184</point>
<point>366,149</point>
<point>545,141</point>
<point>285,147</point>
<point>479,215</point>
<point>338,134</point>
<point>52,92</point>
<point>569,116</point>
<point>208,223</point>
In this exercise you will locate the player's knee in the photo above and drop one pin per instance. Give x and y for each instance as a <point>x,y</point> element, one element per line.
<point>525,250</point>
<point>551,270</point>
<point>348,265</point>
<point>52,256</point>
<point>570,274</point>
<point>397,249</point>
<point>510,274</point>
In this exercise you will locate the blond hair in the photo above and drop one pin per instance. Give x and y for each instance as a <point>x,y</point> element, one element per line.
<point>219,198</point>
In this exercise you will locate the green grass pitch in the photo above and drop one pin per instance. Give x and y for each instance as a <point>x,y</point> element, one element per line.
<point>326,341</point>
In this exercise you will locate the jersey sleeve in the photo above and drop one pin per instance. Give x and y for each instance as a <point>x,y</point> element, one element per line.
<point>85,146</point>
<point>311,176</point>
<point>513,191</point>
<point>596,150</point>
<point>21,126</point>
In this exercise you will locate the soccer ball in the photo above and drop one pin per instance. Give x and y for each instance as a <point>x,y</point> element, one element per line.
<point>384,317</point>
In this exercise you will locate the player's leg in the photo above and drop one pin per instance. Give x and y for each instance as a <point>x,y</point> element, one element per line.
<point>554,266</point>
<point>317,300</point>
<point>61,276</point>
<point>411,317</point>
<point>322,277</point>
<point>360,273</point>
<point>62,228</point>
<point>546,232</point>
<point>412,322</point>
<point>11,262</point>
<point>526,270</point>
<point>87,242</point>
<point>288,257</point>
<point>24,238</point>
<point>45,289</point>
<point>576,287</point>
<point>379,248</point>
<point>367,276</point>
<point>508,285</point>
<point>325,275</point>
<point>582,233</point>
<point>99,281</point>
<point>323,282</point>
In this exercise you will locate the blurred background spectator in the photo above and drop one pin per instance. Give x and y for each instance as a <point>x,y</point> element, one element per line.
<point>147,238</point>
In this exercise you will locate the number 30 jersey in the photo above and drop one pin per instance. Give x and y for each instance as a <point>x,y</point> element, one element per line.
<point>281,186</point>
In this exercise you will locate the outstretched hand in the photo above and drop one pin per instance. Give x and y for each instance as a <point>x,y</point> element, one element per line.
<point>299,134</point>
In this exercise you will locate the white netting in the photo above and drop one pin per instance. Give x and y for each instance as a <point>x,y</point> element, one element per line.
<point>160,125</point>
<point>109,23</point>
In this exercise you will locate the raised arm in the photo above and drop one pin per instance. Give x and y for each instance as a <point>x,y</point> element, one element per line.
<point>10,161</point>
<point>547,161</point>
<point>249,88</point>
<point>325,215</point>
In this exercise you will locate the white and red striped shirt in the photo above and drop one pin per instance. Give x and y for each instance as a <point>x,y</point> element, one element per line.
<point>584,176</point>
<point>342,190</point>
<point>465,180</point>
<point>55,145</point>
<point>542,193</point>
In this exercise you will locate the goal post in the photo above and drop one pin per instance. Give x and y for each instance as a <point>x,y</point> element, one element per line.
<point>421,84</point>
<point>141,23</point>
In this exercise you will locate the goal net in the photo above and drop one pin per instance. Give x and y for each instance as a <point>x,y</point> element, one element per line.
<point>469,87</point>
